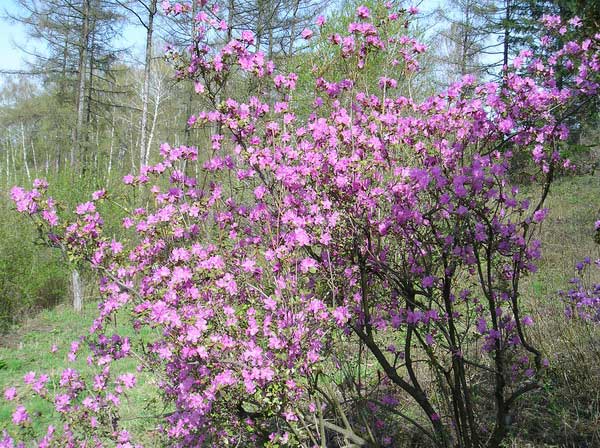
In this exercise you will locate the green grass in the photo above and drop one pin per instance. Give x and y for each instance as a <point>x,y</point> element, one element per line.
<point>567,411</point>
<point>567,234</point>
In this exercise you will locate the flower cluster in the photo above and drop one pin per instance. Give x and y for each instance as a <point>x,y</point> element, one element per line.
<point>582,299</point>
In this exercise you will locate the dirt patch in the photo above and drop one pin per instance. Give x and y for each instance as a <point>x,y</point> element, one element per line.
<point>14,338</point>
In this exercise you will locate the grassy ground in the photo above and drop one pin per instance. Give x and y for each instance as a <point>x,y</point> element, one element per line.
<point>567,233</point>
<point>566,412</point>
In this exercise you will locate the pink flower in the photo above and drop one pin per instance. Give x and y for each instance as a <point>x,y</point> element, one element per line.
<point>539,215</point>
<point>308,264</point>
<point>259,192</point>
<point>290,416</point>
<point>41,184</point>
<point>301,237</point>
<point>428,281</point>
<point>10,394</point>
<point>481,325</point>
<point>225,378</point>
<point>128,222</point>
<point>387,82</point>
<point>29,378</point>
<point>116,247</point>
<point>99,194</point>
<point>50,217</point>
<point>20,417</point>
<point>87,207</point>
<point>228,283</point>
<point>341,315</point>
<point>527,321</point>
<point>306,33</point>
<point>249,265</point>
<point>62,402</point>
<point>24,200</point>
<point>40,384</point>
<point>181,274</point>
<point>248,37</point>
<point>363,12</point>
<point>128,380</point>
<point>576,22</point>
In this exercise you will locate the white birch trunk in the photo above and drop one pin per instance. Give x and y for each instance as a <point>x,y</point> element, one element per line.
<point>25,153</point>
<point>77,290</point>
<point>146,88</point>
<point>13,156</point>
<point>7,147</point>
<point>110,153</point>
<point>35,165</point>
<point>157,101</point>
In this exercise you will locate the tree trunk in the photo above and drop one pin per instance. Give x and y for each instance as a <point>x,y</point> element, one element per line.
<point>35,165</point>
<point>465,41</point>
<point>63,75</point>
<point>13,156</point>
<point>7,147</point>
<point>88,114</point>
<point>81,80</point>
<point>77,290</point>
<point>293,28</point>
<point>191,92</point>
<point>25,163</point>
<point>110,152</point>
<point>506,43</point>
<point>146,88</point>
<point>157,100</point>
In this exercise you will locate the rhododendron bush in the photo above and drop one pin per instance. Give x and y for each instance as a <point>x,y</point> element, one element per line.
<point>345,277</point>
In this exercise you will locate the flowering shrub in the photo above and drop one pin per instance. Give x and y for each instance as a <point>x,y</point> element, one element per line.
<point>582,299</point>
<point>324,272</point>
